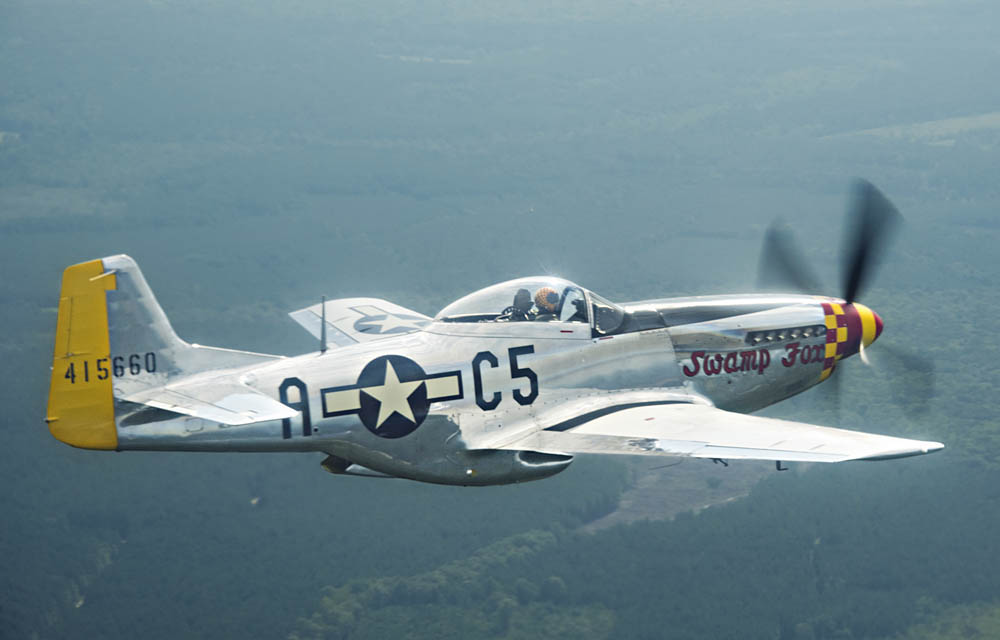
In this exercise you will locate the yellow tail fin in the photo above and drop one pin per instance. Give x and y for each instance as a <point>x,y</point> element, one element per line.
<point>81,399</point>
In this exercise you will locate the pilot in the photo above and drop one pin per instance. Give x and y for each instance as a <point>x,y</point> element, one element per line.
<point>520,309</point>
<point>547,302</point>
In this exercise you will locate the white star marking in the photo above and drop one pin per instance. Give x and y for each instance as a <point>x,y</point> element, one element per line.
<point>391,322</point>
<point>393,396</point>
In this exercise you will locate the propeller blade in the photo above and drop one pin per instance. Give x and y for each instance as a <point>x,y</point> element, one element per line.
<point>836,391</point>
<point>870,222</point>
<point>912,379</point>
<point>782,264</point>
<point>831,392</point>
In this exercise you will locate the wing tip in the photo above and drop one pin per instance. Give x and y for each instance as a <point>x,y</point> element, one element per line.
<point>923,449</point>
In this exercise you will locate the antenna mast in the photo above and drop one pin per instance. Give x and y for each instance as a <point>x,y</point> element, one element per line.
<point>322,326</point>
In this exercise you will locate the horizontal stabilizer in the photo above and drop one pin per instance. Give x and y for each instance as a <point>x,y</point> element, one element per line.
<point>702,431</point>
<point>353,320</point>
<point>227,401</point>
<point>113,342</point>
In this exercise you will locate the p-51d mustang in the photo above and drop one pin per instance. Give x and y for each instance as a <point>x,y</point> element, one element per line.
<point>504,385</point>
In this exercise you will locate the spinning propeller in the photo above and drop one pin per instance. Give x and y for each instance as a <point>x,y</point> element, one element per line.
<point>871,221</point>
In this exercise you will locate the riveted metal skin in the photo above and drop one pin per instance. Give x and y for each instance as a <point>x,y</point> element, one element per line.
<point>479,395</point>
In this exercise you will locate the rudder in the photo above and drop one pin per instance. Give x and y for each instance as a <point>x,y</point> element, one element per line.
<point>113,342</point>
<point>80,409</point>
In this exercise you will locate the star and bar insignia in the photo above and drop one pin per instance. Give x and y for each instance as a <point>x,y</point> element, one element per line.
<point>377,321</point>
<point>392,396</point>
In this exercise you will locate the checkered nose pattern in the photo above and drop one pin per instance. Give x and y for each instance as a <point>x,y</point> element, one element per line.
<point>848,328</point>
<point>876,319</point>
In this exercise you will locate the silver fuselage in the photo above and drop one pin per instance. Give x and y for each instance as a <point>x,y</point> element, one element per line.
<point>740,353</point>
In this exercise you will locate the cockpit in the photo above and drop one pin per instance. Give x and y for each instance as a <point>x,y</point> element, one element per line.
<point>539,299</point>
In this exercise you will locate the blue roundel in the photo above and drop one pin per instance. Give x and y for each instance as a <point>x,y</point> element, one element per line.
<point>393,396</point>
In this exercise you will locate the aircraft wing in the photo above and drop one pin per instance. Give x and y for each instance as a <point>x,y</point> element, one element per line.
<point>222,400</point>
<point>353,320</point>
<point>703,431</point>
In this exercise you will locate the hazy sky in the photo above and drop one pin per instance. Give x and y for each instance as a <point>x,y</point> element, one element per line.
<point>255,156</point>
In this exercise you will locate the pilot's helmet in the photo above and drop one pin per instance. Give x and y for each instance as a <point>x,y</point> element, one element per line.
<point>546,300</point>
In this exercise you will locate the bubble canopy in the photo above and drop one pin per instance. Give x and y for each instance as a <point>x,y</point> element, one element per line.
<point>536,299</point>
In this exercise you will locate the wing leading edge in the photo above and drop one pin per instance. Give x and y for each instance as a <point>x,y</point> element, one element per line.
<point>702,431</point>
